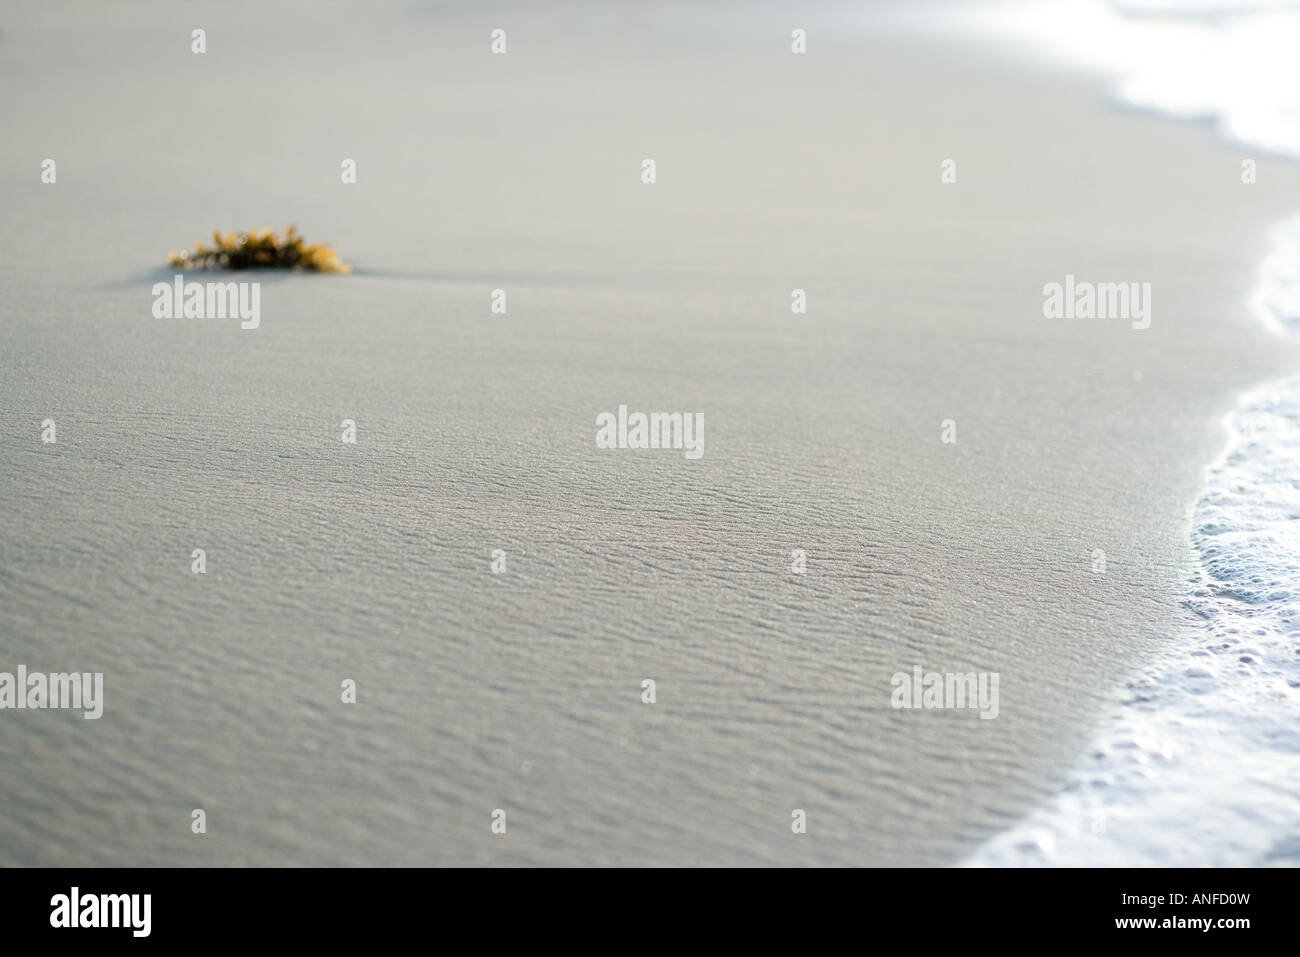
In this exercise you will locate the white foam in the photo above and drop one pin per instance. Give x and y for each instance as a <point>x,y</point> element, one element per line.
<point>1199,763</point>
<point>1233,63</point>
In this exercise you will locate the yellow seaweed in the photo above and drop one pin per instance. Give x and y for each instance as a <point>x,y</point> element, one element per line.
<point>260,248</point>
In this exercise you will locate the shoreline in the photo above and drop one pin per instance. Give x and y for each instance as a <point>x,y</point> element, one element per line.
<point>1160,755</point>
<point>1205,732</point>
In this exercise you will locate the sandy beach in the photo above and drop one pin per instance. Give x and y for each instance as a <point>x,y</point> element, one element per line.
<point>522,690</point>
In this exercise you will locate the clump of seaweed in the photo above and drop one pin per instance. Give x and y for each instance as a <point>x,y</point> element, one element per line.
<point>260,249</point>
